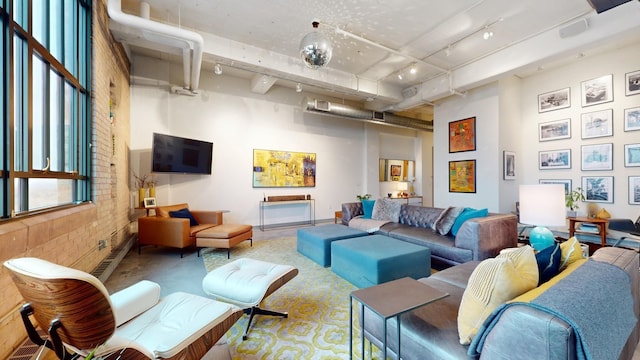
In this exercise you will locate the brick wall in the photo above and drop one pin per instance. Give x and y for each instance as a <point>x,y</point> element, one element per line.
<point>70,236</point>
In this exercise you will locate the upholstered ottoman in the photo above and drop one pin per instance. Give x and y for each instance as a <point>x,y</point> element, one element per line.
<point>246,283</point>
<point>224,236</point>
<point>315,242</point>
<point>376,259</point>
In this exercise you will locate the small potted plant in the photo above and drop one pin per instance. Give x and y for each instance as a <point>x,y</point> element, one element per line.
<point>571,201</point>
<point>363,197</point>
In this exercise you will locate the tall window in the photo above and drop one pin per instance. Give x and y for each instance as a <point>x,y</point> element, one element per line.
<point>45,104</point>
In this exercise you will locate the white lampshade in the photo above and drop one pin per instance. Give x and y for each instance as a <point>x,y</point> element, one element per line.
<point>403,186</point>
<point>542,205</point>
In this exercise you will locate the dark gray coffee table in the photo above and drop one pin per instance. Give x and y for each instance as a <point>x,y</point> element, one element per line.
<point>388,300</point>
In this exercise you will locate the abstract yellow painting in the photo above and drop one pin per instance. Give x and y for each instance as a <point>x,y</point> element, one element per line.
<point>275,168</point>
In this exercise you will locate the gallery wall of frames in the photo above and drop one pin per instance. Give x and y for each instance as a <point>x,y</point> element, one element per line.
<point>593,130</point>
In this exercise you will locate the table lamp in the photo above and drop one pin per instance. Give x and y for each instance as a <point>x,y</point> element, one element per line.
<point>542,205</point>
<point>402,189</point>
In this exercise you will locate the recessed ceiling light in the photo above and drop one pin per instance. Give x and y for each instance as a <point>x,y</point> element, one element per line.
<point>413,70</point>
<point>298,87</point>
<point>217,69</point>
<point>400,76</point>
<point>487,35</point>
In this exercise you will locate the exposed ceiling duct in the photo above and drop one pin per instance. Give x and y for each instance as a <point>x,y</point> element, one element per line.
<point>141,31</point>
<point>345,111</point>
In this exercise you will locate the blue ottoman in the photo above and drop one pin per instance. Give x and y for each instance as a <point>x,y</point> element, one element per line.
<point>315,242</point>
<point>376,259</point>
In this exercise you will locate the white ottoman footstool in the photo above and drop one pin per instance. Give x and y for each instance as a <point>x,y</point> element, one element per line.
<point>246,283</point>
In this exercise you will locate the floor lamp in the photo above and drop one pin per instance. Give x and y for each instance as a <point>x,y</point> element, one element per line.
<point>542,205</point>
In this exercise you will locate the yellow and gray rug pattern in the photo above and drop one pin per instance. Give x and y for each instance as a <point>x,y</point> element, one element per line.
<point>317,301</point>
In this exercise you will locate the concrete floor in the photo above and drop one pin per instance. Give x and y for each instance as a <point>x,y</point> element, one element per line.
<point>164,266</point>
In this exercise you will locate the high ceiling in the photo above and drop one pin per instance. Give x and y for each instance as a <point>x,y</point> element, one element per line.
<point>375,41</point>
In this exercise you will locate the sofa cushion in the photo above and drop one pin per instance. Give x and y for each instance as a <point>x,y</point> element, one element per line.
<point>185,214</point>
<point>468,213</point>
<point>445,221</point>
<point>493,282</point>
<point>386,209</point>
<point>571,252</point>
<point>548,263</point>
<point>367,208</point>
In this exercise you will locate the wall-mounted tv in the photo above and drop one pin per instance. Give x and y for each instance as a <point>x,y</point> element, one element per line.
<point>173,154</point>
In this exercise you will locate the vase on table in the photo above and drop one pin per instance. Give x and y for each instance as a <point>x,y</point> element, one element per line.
<point>152,192</point>
<point>142,193</point>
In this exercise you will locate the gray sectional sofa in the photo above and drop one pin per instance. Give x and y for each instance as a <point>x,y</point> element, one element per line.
<point>521,332</point>
<point>477,239</point>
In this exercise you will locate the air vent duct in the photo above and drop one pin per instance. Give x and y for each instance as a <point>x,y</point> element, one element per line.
<point>345,111</point>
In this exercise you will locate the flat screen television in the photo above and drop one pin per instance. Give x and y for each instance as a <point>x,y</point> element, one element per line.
<point>173,154</point>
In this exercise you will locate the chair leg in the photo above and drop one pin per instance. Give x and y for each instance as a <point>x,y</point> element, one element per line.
<point>228,253</point>
<point>258,311</point>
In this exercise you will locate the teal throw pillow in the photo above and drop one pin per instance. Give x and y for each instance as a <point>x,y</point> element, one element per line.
<point>367,208</point>
<point>185,214</point>
<point>468,213</point>
<point>548,263</point>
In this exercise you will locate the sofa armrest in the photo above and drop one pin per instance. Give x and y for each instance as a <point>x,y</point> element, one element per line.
<point>207,217</point>
<point>351,210</point>
<point>134,300</point>
<point>525,333</point>
<point>486,236</point>
<point>162,231</point>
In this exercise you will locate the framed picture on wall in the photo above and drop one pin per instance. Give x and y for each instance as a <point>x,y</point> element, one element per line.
<point>554,100</point>
<point>554,159</point>
<point>597,157</point>
<point>631,155</point>
<point>462,135</point>
<point>564,182</point>
<point>598,188</point>
<point>634,190</point>
<point>597,91</point>
<point>632,119</point>
<point>554,130</point>
<point>462,176</point>
<point>509,164</point>
<point>632,82</point>
<point>597,124</point>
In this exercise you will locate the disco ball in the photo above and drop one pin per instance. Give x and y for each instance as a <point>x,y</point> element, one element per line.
<point>315,50</point>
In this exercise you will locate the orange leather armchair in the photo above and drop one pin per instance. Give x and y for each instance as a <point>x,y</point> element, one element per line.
<point>163,230</point>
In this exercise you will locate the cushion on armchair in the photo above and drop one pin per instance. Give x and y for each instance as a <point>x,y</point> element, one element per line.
<point>367,208</point>
<point>185,214</point>
<point>134,300</point>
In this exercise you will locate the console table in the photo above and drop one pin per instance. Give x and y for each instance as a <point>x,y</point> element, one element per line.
<point>264,205</point>
<point>388,300</point>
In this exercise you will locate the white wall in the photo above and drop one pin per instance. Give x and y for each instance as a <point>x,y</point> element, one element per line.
<point>483,103</point>
<point>616,62</point>
<point>238,121</point>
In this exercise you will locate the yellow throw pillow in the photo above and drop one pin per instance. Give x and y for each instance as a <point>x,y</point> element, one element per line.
<point>571,252</point>
<point>492,283</point>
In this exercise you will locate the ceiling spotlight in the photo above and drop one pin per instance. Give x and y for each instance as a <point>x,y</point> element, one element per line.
<point>447,51</point>
<point>487,35</point>
<point>400,76</point>
<point>413,70</point>
<point>217,69</point>
<point>315,48</point>
<point>298,87</point>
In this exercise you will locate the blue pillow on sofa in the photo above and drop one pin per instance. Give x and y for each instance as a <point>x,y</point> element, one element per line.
<point>467,214</point>
<point>548,263</point>
<point>367,208</point>
<point>185,214</point>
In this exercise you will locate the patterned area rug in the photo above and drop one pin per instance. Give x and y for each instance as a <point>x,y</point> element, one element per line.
<point>317,301</point>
